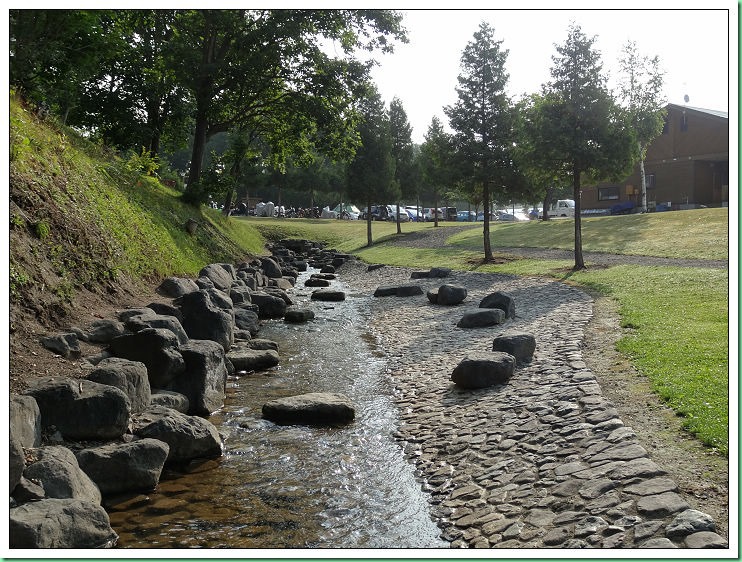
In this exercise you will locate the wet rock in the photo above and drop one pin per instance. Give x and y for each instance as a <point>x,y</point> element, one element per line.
<point>298,315</point>
<point>269,306</point>
<point>328,295</point>
<point>315,408</point>
<point>189,437</point>
<point>247,359</point>
<point>124,467</point>
<point>60,523</point>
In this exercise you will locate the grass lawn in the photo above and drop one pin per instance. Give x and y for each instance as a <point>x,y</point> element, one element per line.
<point>675,319</point>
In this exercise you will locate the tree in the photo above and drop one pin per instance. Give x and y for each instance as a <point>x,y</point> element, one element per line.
<point>641,92</point>
<point>435,160</point>
<point>401,132</point>
<point>482,118</point>
<point>255,69</point>
<point>371,171</point>
<point>577,128</point>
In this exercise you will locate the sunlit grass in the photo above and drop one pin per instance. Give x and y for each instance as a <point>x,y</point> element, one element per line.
<point>698,233</point>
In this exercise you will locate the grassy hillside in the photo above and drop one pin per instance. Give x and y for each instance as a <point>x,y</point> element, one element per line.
<point>81,217</point>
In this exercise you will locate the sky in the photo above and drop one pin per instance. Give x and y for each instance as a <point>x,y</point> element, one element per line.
<point>694,47</point>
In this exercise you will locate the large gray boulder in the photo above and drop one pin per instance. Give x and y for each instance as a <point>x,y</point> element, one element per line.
<point>247,319</point>
<point>482,318</point>
<point>128,376</point>
<point>189,437</point>
<point>25,420</point>
<point>81,409</point>
<point>298,315</point>
<point>269,306</point>
<point>448,295</point>
<point>480,370</point>
<point>125,467</point>
<point>261,343</point>
<point>500,300</point>
<point>157,348</point>
<point>203,319</point>
<point>60,475</point>
<point>175,287</point>
<point>221,275</point>
<point>142,322</point>
<point>520,345</point>
<point>60,523</point>
<point>104,330</point>
<point>314,408</point>
<point>271,268</point>
<point>205,377</point>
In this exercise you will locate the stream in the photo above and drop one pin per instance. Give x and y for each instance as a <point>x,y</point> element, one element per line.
<point>295,486</point>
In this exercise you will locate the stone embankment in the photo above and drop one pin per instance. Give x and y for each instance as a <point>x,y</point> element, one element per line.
<point>541,461</point>
<point>160,372</point>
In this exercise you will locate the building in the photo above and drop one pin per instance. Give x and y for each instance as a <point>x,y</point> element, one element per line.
<point>686,166</point>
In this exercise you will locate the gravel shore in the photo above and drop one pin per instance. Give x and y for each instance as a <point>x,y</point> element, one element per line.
<point>543,461</point>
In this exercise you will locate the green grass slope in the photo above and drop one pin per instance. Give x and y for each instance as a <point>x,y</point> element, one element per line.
<point>79,217</point>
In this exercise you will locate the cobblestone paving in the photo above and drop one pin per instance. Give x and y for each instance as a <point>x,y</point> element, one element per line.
<point>541,462</point>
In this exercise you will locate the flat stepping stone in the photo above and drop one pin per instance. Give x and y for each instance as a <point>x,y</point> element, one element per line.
<point>314,408</point>
<point>245,359</point>
<point>316,282</point>
<point>328,295</point>
<point>398,291</point>
<point>298,315</point>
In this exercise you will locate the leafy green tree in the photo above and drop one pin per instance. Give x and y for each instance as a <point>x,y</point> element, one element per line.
<point>482,118</point>
<point>53,51</point>
<point>370,173</point>
<point>576,127</point>
<point>257,69</point>
<point>402,153</point>
<point>640,89</point>
<point>436,156</point>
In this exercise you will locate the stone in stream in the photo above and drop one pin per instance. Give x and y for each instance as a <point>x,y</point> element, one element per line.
<point>328,295</point>
<point>248,359</point>
<point>298,315</point>
<point>314,408</point>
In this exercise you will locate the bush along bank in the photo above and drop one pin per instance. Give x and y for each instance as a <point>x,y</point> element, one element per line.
<point>144,405</point>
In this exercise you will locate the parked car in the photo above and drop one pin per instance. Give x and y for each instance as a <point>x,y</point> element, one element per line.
<point>392,213</point>
<point>449,213</point>
<point>466,216</point>
<point>429,214</point>
<point>510,217</point>
<point>347,212</point>
<point>415,213</point>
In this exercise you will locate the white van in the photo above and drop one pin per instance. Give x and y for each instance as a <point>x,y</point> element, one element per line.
<point>563,208</point>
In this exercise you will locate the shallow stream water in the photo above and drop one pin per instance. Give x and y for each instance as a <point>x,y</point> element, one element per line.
<point>296,486</point>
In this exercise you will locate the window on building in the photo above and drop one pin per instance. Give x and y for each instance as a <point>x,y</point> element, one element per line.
<point>684,123</point>
<point>607,193</point>
<point>651,180</point>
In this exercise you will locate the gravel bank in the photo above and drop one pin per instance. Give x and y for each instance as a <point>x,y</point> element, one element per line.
<point>541,462</point>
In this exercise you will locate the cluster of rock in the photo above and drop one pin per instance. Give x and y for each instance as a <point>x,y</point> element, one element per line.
<point>161,371</point>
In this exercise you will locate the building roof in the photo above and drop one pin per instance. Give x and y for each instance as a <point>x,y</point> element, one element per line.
<point>714,112</point>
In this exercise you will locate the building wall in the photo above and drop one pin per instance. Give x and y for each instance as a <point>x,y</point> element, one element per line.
<point>689,162</point>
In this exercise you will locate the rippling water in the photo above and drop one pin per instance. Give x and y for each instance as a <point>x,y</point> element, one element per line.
<point>295,486</point>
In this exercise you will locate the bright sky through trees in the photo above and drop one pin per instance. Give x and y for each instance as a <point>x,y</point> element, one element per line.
<point>694,46</point>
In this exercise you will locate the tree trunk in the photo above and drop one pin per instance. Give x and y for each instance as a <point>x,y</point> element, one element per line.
<point>197,156</point>
<point>435,210</point>
<point>547,202</point>
<point>643,179</point>
<point>399,225</point>
<point>369,239</point>
<point>486,229</point>
<point>579,262</point>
